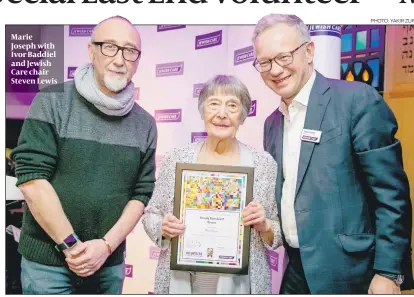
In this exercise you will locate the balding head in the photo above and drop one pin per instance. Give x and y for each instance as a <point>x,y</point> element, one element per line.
<point>117,22</point>
<point>113,73</point>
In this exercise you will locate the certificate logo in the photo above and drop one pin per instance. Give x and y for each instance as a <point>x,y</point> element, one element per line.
<point>325,30</point>
<point>226,257</point>
<point>81,30</point>
<point>252,112</point>
<point>168,115</point>
<point>210,252</point>
<point>71,72</point>
<point>129,269</point>
<point>198,136</point>
<point>169,69</point>
<point>162,28</point>
<point>208,40</point>
<point>197,89</point>
<point>243,55</point>
<point>194,254</point>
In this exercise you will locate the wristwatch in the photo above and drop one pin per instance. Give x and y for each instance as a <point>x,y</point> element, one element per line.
<point>67,243</point>
<point>397,278</point>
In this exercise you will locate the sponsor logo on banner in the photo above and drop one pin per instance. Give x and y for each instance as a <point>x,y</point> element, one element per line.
<point>136,93</point>
<point>168,115</point>
<point>197,136</point>
<point>327,30</point>
<point>154,253</point>
<point>81,30</point>
<point>274,261</point>
<point>208,40</point>
<point>158,160</point>
<point>197,89</point>
<point>71,72</point>
<point>162,28</point>
<point>253,108</point>
<point>243,55</point>
<point>169,69</point>
<point>129,269</point>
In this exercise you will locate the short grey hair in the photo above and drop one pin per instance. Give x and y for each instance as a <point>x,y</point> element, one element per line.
<point>288,19</point>
<point>226,85</point>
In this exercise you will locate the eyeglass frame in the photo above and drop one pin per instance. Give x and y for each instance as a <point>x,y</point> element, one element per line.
<point>255,62</point>
<point>119,48</point>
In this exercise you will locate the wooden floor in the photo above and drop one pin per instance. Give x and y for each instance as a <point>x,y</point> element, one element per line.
<point>410,292</point>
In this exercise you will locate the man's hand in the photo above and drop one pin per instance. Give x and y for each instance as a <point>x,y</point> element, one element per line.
<point>383,285</point>
<point>87,257</point>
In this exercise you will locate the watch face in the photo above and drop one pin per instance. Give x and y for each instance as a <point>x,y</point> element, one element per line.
<point>70,241</point>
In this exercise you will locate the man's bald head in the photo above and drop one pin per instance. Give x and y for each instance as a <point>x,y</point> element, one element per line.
<point>113,73</point>
<point>117,21</point>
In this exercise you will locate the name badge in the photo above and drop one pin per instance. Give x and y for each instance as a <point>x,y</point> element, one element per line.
<point>311,135</point>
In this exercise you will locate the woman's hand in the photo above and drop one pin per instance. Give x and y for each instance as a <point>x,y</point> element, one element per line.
<point>254,215</point>
<point>172,227</point>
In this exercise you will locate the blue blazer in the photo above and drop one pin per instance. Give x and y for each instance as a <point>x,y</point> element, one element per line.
<point>352,204</point>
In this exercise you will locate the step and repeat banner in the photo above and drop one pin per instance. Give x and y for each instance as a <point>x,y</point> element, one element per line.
<point>176,61</point>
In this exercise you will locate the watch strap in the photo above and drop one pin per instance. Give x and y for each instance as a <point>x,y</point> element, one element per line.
<point>63,246</point>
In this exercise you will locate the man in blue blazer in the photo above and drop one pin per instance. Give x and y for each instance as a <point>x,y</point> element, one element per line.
<point>342,193</point>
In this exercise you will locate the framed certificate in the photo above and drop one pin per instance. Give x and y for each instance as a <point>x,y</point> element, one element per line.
<point>209,199</point>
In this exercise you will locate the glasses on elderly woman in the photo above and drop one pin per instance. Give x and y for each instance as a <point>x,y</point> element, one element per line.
<point>111,50</point>
<point>283,59</point>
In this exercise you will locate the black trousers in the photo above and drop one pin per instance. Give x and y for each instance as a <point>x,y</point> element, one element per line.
<point>294,280</point>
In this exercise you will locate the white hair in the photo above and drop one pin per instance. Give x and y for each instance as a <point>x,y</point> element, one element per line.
<point>226,85</point>
<point>290,20</point>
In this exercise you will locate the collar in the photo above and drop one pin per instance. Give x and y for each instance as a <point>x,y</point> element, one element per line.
<point>302,97</point>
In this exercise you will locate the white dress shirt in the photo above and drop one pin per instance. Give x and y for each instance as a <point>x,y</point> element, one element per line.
<point>294,115</point>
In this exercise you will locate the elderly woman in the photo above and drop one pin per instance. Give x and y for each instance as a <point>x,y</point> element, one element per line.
<point>224,104</point>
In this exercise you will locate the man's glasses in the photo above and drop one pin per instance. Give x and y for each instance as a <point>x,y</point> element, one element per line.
<point>283,59</point>
<point>111,50</point>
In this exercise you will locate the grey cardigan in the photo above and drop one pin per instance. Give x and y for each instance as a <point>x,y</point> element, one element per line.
<point>161,203</point>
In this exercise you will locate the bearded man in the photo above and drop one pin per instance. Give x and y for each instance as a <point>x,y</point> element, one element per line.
<point>85,163</point>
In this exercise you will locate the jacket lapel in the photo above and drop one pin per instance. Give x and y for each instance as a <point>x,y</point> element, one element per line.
<point>279,158</point>
<point>318,101</point>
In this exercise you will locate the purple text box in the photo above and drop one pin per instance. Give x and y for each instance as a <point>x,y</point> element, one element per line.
<point>243,55</point>
<point>208,40</point>
<point>168,115</point>
<point>169,69</point>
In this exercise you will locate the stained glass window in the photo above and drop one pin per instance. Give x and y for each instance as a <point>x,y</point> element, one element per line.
<point>362,54</point>
<point>375,38</point>
<point>361,40</point>
<point>346,43</point>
